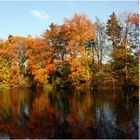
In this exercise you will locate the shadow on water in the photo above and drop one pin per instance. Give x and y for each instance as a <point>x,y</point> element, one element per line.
<point>30,113</point>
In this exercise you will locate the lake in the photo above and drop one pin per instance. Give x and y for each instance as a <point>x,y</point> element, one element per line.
<point>36,113</point>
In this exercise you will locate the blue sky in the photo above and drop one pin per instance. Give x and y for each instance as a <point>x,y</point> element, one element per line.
<point>23,18</point>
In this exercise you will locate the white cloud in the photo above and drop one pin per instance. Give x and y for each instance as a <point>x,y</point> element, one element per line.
<point>39,14</point>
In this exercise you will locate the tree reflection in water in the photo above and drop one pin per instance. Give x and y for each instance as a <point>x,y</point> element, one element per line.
<point>27,113</point>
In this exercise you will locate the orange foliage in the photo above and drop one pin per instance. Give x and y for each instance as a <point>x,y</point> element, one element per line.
<point>36,59</point>
<point>133,18</point>
<point>50,68</point>
<point>80,30</point>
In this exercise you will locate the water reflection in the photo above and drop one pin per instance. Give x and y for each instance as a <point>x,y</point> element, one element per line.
<point>28,113</point>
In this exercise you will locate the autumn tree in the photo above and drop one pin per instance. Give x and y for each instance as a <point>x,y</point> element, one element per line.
<point>57,39</point>
<point>81,30</point>
<point>4,66</point>
<point>36,60</point>
<point>23,62</point>
<point>9,56</point>
<point>13,55</point>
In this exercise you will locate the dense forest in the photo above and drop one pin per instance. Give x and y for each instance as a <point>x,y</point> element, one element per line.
<point>75,53</point>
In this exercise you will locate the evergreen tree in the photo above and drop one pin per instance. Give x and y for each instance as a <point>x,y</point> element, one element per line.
<point>113,29</point>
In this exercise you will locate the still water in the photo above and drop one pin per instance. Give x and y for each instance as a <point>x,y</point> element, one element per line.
<point>30,113</point>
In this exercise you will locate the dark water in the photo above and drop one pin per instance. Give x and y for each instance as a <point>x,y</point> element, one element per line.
<point>28,113</point>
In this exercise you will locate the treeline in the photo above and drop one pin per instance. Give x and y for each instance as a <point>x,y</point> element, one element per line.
<point>76,52</point>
